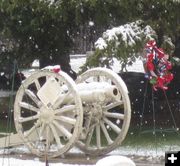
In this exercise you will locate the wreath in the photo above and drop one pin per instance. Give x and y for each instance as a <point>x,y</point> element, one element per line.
<point>157,66</point>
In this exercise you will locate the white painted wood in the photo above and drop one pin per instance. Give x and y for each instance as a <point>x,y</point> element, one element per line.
<point>48,112</point>
<point>109,122</point>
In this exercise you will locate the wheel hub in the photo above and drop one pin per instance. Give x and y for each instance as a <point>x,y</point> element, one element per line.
<point>97,114</point>
<point>46,115</point>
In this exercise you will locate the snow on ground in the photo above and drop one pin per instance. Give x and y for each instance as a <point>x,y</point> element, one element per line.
<point>123,150</point>
<point>77,61</point>
<point>150,153</point>
<point>107,161</point>
<point>8,161</point>
<point>137,66</point>
<point>19,162</point>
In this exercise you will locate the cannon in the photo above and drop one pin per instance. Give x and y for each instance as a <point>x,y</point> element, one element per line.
<point>53,113</point>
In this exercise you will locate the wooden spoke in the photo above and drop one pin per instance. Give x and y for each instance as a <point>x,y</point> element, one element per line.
<point>64,109</point>
<point>66,119</point>
<point>60,100</point>
<point>32,129</point>
<point>28,106</point>
<point>108,138</point>
<point>42,128</point>
<point>33,97</point>
<point>113,105</point>
<point>112,125</point>
<point>26,119</point>
<point>62,129</point>
<point>38,86</point>
<point>56,136</point>
<point>114,115</point>
<point>98,137</point>
<point>48,135</point>
<point>89,137</point>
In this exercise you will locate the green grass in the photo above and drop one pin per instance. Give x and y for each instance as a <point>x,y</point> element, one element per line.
<point>148,137</point>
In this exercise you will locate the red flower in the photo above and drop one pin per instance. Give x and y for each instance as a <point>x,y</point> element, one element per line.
<point>161,81</point>
<point>169,77</point>
<point>150,66</point>
<point>168,65</point>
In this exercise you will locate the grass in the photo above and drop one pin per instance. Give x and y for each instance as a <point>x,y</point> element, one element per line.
<point>148,138</point>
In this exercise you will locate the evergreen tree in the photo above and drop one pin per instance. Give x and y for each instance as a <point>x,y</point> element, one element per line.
<point>123,43</point>
<point>37,29</point>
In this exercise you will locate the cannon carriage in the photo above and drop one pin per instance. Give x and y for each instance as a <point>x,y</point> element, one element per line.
<point>53,113</point>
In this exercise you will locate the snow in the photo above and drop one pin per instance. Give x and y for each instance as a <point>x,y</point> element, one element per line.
<point>18,162</point>
<point>150,153</point>
<point>137,66</point>
<point>35,63</point>
<point>115,161</point>
<point>78,60</point>
<point>9,161</point>
<point>107,161</point>
<point>91,23</point>
<point>51,67</point>
<point>101,43</point>
<point>129,33</point>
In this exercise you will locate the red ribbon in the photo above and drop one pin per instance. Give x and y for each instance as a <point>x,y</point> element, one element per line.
<point>56,70</point>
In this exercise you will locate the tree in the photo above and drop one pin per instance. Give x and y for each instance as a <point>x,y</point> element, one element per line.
<point>162,16</point>
<point>123,43</point>
<point>37,29</point>
<point>45,29</point>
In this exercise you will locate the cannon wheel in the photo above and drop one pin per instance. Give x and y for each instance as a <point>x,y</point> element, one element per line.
<point>48,129</point>
<point>112,127</point>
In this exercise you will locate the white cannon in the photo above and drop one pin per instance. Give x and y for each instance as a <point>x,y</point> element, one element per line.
<point>52,113</point>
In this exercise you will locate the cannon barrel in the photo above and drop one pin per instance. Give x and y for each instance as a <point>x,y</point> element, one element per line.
<point>97,92</point>
<point>52,94</point>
